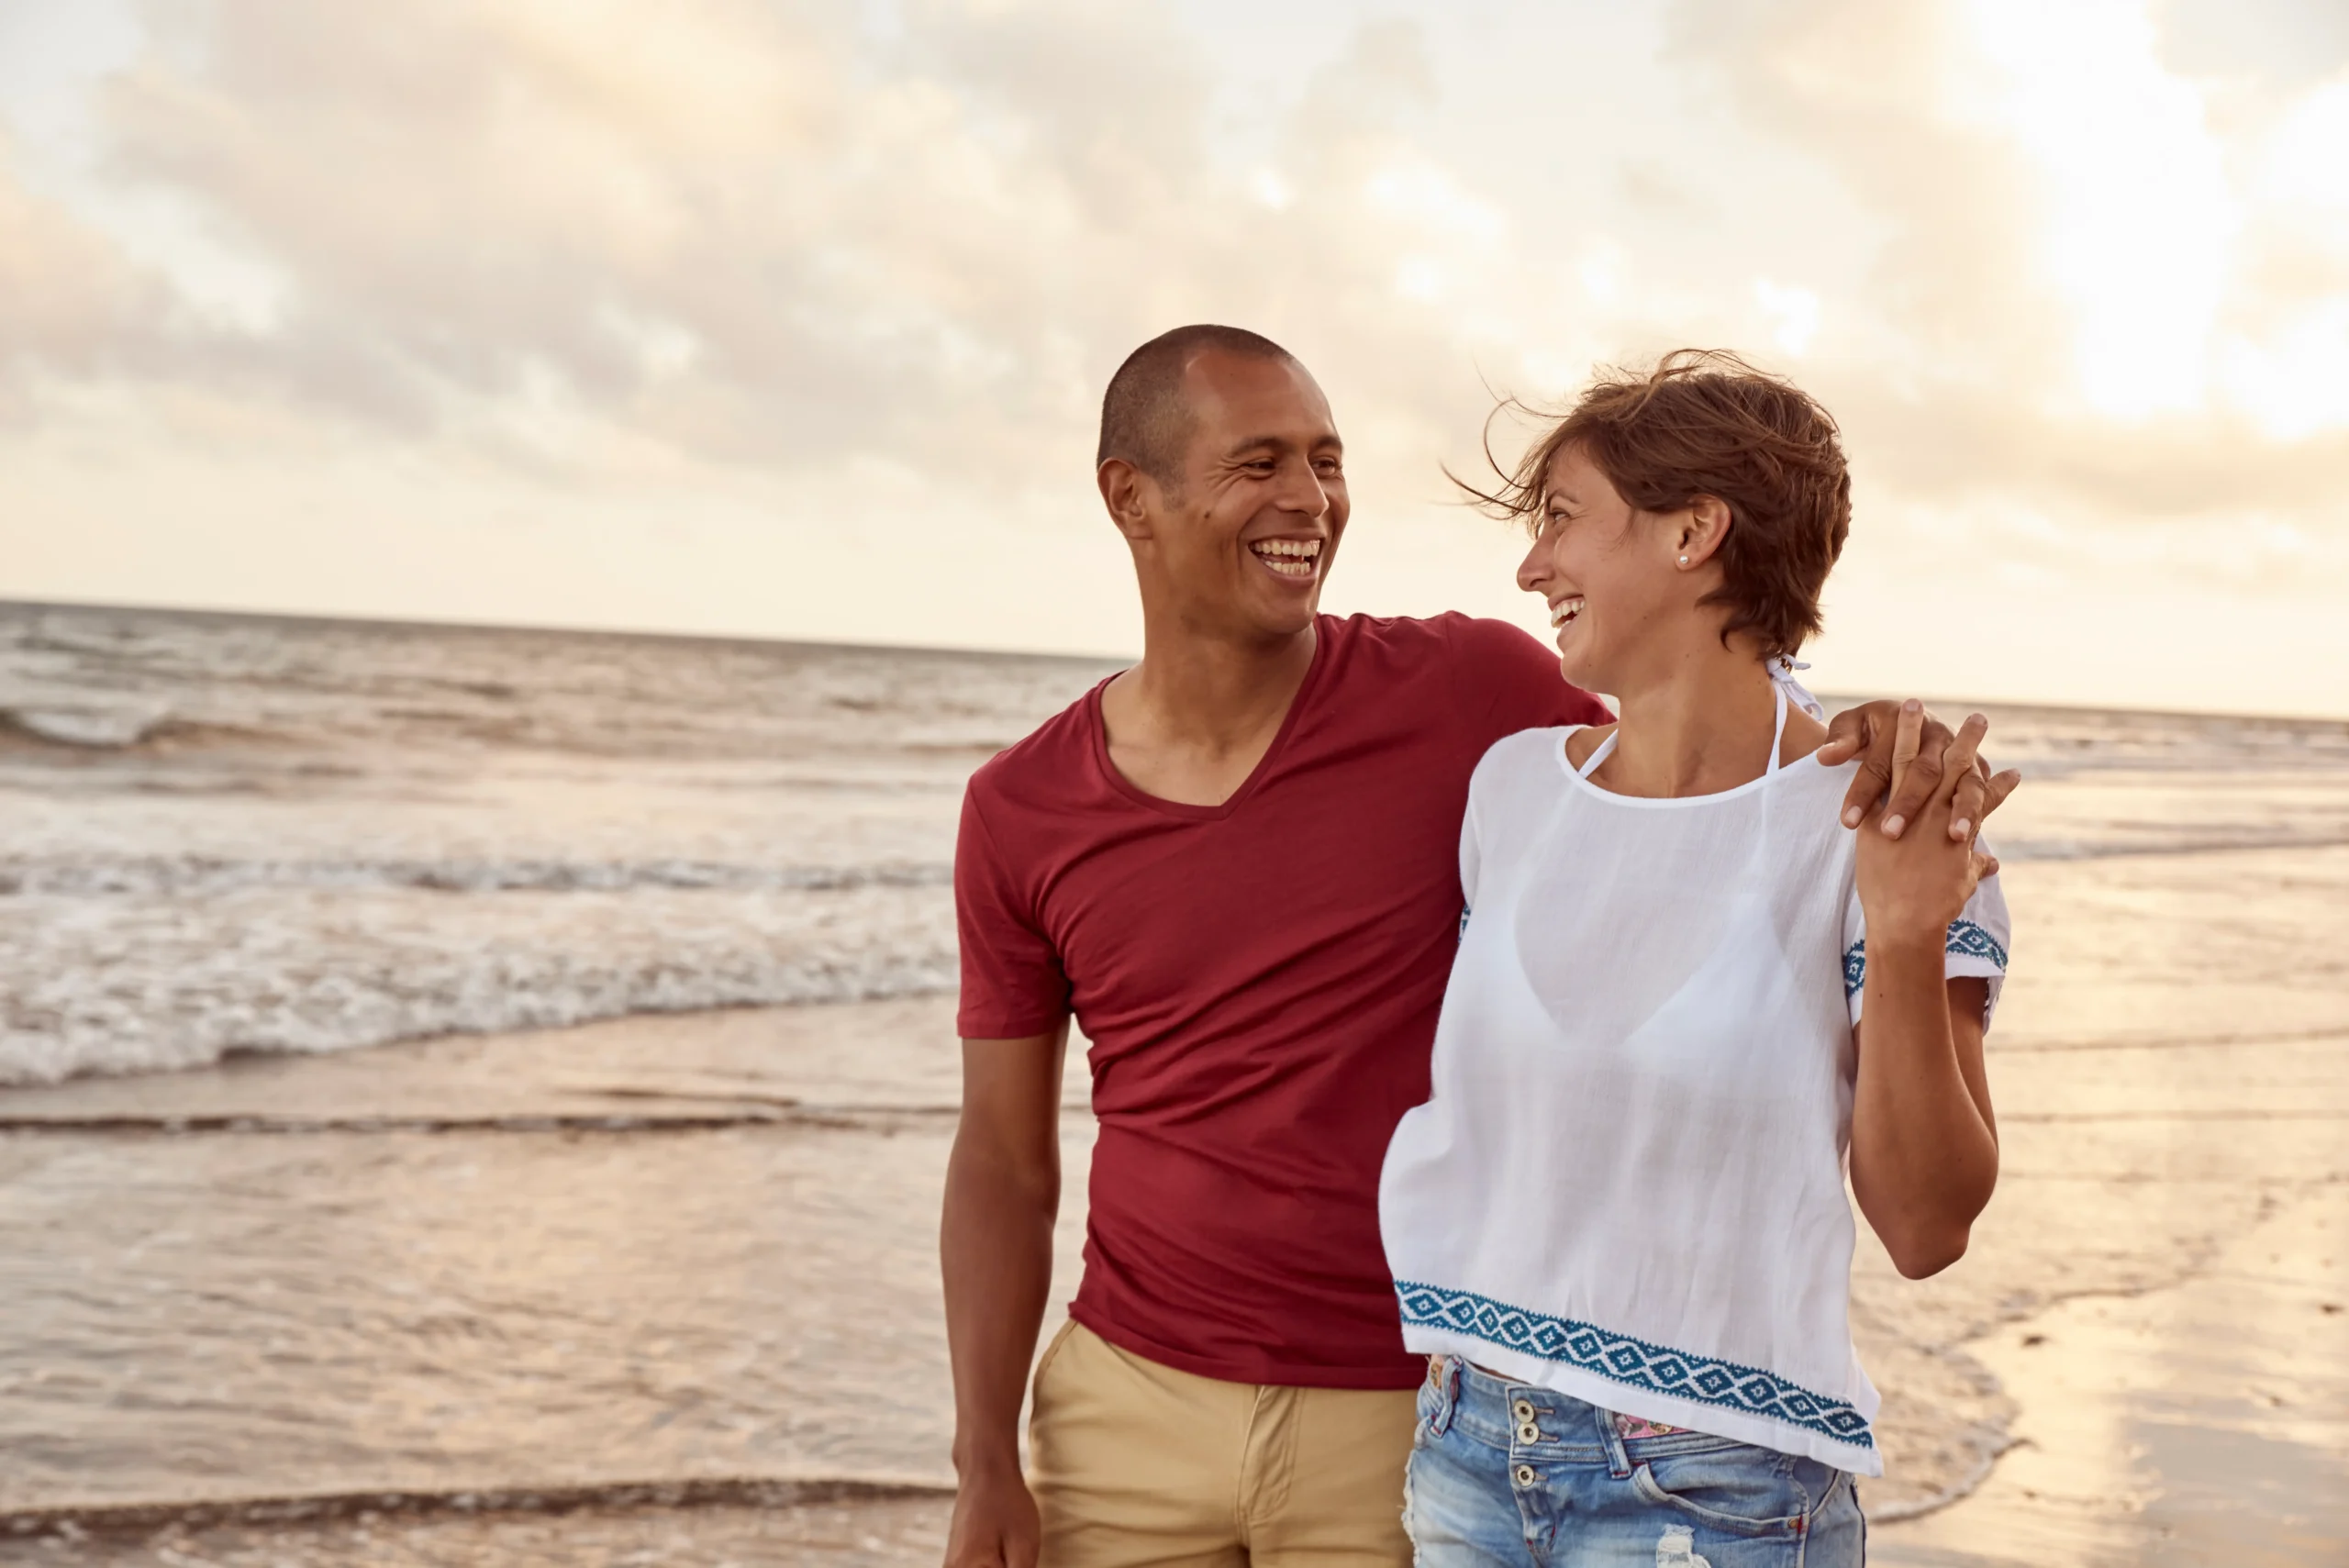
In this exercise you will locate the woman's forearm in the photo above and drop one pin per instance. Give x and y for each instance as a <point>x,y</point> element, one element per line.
<point>1924,1153</point>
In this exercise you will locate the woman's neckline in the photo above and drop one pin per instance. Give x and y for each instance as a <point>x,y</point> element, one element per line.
<point>1574,777</point>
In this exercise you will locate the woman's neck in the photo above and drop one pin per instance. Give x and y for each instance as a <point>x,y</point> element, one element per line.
<point>1701,725</point>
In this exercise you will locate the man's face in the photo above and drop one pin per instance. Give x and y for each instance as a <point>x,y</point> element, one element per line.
<point>1242,542</point>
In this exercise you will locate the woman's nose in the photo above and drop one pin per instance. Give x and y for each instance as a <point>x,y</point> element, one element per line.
<point>1534,570</point>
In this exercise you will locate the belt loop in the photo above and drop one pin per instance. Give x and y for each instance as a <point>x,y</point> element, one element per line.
<point>1444,1372</point>
<point>1618,1458</point>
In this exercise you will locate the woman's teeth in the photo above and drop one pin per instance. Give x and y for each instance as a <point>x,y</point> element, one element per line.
<point>1564,611</point>
<point>1289,557</point>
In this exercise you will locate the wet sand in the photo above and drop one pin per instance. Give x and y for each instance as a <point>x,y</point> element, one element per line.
<point>2204,1423</point>
<point>832,1533</point>
<point>700,1247</point>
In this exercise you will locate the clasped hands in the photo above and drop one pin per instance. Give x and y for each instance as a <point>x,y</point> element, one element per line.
<point>1916,773</point>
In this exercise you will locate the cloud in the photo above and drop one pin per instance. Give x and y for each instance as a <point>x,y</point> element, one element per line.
<point>2068,256</point>
<point>2077,282</point>
<point>67,302</point>
<point>774,234</point>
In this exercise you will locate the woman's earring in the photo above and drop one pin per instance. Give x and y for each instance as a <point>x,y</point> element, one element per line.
<point>1684,561</point>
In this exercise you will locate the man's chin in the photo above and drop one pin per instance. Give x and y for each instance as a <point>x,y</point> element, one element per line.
<point>1287,620</point>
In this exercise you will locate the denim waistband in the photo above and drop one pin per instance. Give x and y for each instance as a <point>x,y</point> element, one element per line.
<point>1459,1396</point>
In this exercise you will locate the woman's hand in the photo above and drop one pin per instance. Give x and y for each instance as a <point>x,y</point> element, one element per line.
<point>1913,887</point>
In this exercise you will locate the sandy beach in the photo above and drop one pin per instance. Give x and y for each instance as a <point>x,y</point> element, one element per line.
<point>659,1287</point>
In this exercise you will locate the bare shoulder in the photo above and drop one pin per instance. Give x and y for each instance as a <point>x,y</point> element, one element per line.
<point>1803,735</point>
<point>1582,742</point>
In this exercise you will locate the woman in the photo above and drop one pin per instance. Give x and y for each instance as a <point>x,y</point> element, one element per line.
<point>1685,995</point>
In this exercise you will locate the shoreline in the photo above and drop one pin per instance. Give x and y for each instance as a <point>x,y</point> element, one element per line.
<point>678,1076</point>
<point>2197,1422</point>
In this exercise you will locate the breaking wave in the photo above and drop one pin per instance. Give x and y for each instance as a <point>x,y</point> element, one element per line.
<point>94,729</point>
<point>160,984</point>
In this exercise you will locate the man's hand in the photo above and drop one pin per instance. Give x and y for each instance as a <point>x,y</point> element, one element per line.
<point>1904,751</point>
<point>994,1521</point>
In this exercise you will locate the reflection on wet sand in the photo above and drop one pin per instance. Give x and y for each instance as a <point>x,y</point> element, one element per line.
<point>2171,1232</point>
<point>2203,1424</point>
<point>272,1308</point>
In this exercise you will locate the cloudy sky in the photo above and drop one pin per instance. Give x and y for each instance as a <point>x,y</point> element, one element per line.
<point>791,318</point>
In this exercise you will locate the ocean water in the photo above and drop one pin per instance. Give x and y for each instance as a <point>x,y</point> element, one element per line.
<point>222,834</point>
<point>288,1206</point>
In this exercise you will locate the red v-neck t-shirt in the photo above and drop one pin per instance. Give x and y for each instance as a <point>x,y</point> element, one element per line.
<point>1260,982</point>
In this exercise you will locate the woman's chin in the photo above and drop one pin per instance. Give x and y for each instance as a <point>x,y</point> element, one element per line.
<point>1580,673</point>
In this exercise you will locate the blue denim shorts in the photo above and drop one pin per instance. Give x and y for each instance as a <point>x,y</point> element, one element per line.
<point>1481,1494</point>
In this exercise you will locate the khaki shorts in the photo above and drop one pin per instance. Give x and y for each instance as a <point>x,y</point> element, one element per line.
<point>1133,1462</point>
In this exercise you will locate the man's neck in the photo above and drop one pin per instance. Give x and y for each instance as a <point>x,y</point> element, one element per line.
<point>1193,720</point>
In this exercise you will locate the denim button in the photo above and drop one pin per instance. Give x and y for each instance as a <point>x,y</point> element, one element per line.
<point>1525,1476</point>
<point>1528,1433</point>
<point>1523,1410</point>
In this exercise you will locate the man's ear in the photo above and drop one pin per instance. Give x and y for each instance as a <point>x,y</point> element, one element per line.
<point>1130,494</point>
<point>1703,527</point>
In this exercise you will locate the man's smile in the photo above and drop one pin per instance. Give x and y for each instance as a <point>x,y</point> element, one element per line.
<point>1296,559</point>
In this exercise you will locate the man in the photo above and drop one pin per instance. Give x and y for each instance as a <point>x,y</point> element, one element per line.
<point>1237,864</point>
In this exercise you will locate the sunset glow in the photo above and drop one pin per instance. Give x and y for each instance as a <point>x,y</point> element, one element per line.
<point>790,321</point>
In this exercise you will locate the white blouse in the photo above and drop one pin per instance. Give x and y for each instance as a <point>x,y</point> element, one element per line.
<point>1629,1182</point>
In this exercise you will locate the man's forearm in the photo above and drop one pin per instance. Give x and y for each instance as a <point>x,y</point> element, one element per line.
<point>996,1251</point>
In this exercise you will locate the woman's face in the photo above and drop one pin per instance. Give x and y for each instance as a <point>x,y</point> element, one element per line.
<point>1606,574</point>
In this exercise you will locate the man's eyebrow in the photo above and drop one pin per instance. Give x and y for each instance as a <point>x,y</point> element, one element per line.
<point>1255,444</point>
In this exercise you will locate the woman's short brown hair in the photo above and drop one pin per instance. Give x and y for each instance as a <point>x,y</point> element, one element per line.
<point>1704,422</point>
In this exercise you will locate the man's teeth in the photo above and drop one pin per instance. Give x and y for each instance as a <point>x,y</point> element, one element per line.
<point>1289,557</point>
<point>1564,611</point>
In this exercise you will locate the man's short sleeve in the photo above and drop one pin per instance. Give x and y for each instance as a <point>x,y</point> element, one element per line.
<point>1509,682</point>
<point>1013,985</point>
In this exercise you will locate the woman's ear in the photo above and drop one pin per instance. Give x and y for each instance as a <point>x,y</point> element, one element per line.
<point>1703,526</point>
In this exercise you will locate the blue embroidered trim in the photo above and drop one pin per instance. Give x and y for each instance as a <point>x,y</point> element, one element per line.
<point>1634,1362</point>
<point>1966,940</point>
<point>1969,941</point>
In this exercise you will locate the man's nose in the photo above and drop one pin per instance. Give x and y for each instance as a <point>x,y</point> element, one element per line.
<point>1303,492</point>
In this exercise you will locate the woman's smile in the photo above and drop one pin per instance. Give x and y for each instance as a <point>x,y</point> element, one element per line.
<point>1563,612</point>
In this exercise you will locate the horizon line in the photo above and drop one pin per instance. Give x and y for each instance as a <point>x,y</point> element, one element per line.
<point>9,605</point>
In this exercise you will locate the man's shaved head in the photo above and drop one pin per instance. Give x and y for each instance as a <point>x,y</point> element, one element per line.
<point>1144,419</point>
